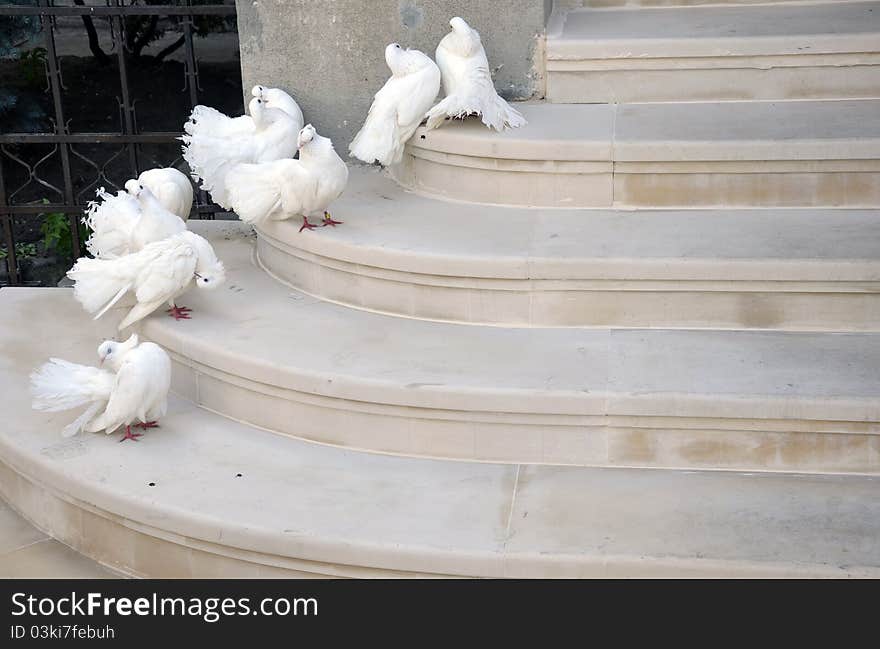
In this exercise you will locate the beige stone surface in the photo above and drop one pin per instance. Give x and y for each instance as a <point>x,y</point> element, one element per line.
<point>15,532</point>
<point>682,3</point>
<point>751,130</point>
<point>403,253</point>
<point>203,496</point>
<point>650,509</point>
<point>390,384</point>
<point>690,154</point>
<point>730,51</point>
<point>791,77</point>
<point>28,553</point>
<point>719,30</point>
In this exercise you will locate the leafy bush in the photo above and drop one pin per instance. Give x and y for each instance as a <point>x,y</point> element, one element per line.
<point>57,234</point>
<point>22,251</point>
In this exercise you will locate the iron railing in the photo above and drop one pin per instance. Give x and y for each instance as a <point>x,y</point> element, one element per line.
<point>63,143</point>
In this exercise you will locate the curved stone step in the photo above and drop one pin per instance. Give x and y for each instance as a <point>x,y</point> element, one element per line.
<point>270,356</point>
<point>724,154</point>
<point>202,496</point>
<point>825,50</point>
<point>405,254</point>
<point>636,4</point>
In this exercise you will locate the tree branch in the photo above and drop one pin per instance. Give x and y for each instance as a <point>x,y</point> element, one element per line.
<point>142,42</point>
<point>94,44</point>
<point>171,48</point>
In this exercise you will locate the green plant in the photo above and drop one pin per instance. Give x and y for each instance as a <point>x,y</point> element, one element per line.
<point>22,251</point>
<point>32,65</point>
<point>57,233</point>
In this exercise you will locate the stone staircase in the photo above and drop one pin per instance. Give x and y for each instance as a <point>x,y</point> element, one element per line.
<point>630,339</point>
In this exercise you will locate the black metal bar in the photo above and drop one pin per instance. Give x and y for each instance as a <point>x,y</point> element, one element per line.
<point>191,71</point>
<point>40,208</point>
<point>6,217</point>
<point>133,10</point>
<point>48,23</point>
<point>127,106</point>
<point>88,138</point>
<point>63,141</point>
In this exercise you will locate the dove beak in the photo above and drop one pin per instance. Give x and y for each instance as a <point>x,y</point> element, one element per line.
<point>197,275</point>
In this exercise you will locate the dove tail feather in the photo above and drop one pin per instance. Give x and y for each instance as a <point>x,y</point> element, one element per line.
<point>438,114</point>
<point>139,311</point>
<point>62,385</point>
<point>211,147</point>
<point>57,385</point>
<point>77,425</point>
<point>253,194</point>
<point>495,112</point>
<point>111,221</point>
<point>500,115</point>
<point>378,141</point>
<point>113,301</point>
<point>96,286</point>
<point>210,160</point>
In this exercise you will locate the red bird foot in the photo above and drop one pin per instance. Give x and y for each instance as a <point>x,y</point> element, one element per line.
<point>306,225</point>
<point>179,312</point>
<point>143,425</point>
<point>328,220</point>
<point>130,435</point>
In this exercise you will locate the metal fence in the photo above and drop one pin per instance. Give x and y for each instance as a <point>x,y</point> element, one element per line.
<point>66,145</point>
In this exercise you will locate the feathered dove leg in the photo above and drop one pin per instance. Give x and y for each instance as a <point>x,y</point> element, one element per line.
<point>130,435</point>
<point>306,225</point>
<point>328,220</point>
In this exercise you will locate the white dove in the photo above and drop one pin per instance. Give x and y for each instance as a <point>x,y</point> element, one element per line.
<point>135,387</point>
<point>171,187</point>
<point>287,188</point>
<point>213,143</point>
<point>127,222</point>
<point>398,108</point>
<point>277,98</point>
<point>468,82</point>
<point>158,273</point>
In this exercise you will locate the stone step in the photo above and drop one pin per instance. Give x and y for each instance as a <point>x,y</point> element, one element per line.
<point>719,154</point>
<point>203,496</point>
<point>638,4</point>
<point>827,50</point>
<point>405,254</point>
<point>259,352</point>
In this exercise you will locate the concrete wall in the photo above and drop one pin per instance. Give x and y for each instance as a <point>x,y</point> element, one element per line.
<point>330,54</point>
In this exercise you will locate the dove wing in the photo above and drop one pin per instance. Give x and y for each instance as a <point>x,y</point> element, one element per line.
<point>112,221</point>
<point>299,188</point>
<point>416,93</point>
<point>277,98</point>
<point>127,399</point>
<point>169,266</point>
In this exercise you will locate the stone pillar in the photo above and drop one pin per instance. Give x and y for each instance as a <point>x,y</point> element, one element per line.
<point>330,55</point>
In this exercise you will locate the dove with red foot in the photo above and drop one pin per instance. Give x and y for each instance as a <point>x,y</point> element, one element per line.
<point>130,388</point>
